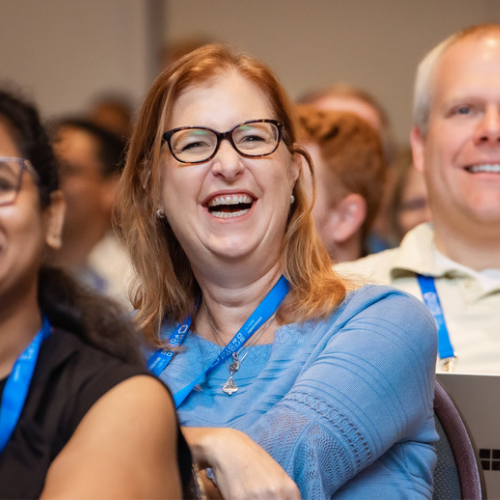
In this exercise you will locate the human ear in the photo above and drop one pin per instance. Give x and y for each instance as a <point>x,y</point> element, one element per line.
<point>54,216</point>
<point>417,148</point>
<point>347,217</point>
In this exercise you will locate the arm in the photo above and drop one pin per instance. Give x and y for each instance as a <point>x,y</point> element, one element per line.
<point>125,447</point>
<point>367,387</point>
<point>242,469</point>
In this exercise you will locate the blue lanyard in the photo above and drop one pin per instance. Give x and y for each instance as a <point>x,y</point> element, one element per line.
<point>161,358</point>
<point>17,385</point>
<point>431,299</point>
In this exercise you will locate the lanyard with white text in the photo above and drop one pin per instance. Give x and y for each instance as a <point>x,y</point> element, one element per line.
<point>262,313</point>
<point>431,299</point>
<point>162,357</point>
<point>17,385</point>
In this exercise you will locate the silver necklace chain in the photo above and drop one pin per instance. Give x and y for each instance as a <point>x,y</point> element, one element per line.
<point>230,387</point>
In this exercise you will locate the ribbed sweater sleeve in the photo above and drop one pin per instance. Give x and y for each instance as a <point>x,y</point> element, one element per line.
<point>370,386</point>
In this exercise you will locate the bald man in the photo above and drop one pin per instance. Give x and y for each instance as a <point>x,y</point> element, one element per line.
<point>454,264</point>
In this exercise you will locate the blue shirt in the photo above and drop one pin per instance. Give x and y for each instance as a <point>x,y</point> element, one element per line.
<point>343,404</point>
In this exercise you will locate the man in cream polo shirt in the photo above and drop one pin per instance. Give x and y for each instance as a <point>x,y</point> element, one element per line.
<point>456,144</point>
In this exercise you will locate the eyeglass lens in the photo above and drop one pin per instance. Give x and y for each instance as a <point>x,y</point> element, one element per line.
<point>10,180</point>
<point>249,139</point>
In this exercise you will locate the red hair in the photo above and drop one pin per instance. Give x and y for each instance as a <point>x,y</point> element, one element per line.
<point>165,288</point>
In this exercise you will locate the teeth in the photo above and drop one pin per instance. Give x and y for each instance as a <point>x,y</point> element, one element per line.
<point>485,168</point>
<point>228,215</point>
<point>229,200</point>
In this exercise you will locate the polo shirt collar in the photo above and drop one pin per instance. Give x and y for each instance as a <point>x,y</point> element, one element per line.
<point>417,254</point>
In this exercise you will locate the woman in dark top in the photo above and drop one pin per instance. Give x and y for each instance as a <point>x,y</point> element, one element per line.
<point>79,416</point>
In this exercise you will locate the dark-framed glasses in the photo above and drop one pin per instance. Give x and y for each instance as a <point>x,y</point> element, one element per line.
<point>251,139</point>
<point>11,177</point>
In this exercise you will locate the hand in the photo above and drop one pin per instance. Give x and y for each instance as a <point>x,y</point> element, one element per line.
<point>242,469</point>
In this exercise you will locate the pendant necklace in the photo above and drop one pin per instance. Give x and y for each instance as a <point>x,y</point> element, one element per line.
<point>230,387</point>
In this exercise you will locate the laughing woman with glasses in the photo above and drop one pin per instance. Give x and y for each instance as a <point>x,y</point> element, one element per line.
<point>288,380</point>
<point>76,407</point>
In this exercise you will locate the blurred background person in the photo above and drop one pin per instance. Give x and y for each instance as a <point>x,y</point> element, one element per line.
<point>90,161</point>
<point>347,97</point>
<point>173,50</point>
<point>112,111</point>
<point>406,204</point>
<point>349,173</point>
<point>77,406</point>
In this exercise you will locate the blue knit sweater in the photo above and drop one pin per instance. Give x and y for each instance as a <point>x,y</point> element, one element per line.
<point>344,404</point>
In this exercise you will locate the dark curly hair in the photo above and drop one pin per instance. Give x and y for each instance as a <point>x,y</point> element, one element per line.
<point>23,122</point>
<point>67,305</point>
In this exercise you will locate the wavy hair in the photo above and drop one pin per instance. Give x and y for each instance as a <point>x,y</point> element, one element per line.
<point>343,90</point>
<point>352,152</point>
<point>165,287</point>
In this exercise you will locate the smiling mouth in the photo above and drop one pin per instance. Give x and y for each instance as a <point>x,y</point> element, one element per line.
<point>485,168</point>
<point>225,207</point>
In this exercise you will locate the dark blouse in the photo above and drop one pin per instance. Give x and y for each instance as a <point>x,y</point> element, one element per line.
<point>70,376</point>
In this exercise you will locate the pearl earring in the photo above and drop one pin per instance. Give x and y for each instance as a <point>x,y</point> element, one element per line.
<point>160,214</point>
<point>292,199</point>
